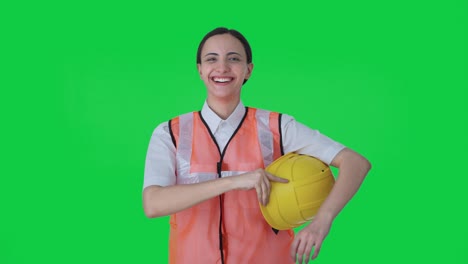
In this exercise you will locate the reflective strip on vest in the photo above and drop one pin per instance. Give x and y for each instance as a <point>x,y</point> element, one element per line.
<point>184,146</point>
<point>265,136</point>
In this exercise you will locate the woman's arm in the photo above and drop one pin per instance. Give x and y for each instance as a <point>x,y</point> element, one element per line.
<point>352,170</point>
<point>161,201</point>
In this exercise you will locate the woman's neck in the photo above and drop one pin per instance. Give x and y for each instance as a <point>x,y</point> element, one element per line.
<point>223,108</point>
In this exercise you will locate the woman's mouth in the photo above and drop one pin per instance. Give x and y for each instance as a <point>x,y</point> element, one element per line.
<point>222,80</point>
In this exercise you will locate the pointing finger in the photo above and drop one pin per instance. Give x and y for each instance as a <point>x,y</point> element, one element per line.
<point>276,178</point>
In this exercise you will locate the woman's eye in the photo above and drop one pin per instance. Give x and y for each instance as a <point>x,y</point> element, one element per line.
<point>234,59</point>
<point>211,59</point>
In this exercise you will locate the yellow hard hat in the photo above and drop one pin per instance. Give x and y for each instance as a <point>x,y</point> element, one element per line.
<point>296,202</point>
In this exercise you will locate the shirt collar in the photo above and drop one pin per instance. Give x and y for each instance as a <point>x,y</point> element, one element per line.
<point>213,120</point>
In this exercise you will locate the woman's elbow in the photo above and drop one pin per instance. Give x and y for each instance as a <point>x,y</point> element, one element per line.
<point>358,161</point>
<point>149,207</point>
<point>366,164</point>
<point>150,212</point>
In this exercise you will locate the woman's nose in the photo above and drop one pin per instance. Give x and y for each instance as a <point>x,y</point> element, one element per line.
<point>223,66</point>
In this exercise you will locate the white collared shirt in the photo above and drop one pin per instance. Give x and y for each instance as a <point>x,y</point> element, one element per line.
<point>223,129</point>
<point>160,163</point>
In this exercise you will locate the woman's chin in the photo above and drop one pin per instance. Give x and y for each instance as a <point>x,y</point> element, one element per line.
<point>223,93</point>
<point>226,97</point>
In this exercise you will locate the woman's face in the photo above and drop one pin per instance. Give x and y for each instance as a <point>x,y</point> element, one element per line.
<point>224,67</point>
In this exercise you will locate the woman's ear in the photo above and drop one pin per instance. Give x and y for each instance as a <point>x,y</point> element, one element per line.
<point>199,70</point>
<point>250,67</point>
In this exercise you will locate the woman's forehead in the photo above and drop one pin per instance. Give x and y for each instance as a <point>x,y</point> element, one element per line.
<point>223,44</point>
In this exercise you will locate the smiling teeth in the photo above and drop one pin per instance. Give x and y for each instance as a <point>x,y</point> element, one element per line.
<point>222,79</point>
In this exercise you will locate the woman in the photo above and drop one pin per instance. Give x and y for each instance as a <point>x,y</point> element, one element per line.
<point>206,169</point>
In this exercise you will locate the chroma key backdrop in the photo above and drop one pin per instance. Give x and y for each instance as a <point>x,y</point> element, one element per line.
<point>84,84</point>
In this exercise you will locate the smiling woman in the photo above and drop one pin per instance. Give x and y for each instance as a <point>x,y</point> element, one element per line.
<point>206,169</point>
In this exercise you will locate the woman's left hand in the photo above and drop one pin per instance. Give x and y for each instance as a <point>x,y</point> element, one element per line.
<point>310,237</point>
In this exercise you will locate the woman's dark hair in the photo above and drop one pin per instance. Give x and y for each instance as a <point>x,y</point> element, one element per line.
<point>232,32</point>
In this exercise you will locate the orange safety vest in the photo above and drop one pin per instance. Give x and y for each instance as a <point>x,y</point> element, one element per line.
<point>228,229</point>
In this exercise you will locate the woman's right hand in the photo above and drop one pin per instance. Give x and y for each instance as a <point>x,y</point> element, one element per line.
<point>260,180</point>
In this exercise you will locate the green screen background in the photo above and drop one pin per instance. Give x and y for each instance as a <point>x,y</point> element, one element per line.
<point>83,85</point>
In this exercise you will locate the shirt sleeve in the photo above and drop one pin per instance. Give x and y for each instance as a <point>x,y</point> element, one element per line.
<point>303,140</point>
<point>160,158</point>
